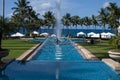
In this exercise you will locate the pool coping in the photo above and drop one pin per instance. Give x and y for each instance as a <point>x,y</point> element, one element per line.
<point>85,53</point>
<point>28,53</point>
<point>112,63</point>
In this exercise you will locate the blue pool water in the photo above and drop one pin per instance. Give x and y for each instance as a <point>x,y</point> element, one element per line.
<point>46,70</point>
<point>38,40</point>
<point>48,51</point>
<point>55,61</point>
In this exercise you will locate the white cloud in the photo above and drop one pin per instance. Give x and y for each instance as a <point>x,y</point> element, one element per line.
<point>106,4</point>
<point>9,15</point>
<point>42,6</point>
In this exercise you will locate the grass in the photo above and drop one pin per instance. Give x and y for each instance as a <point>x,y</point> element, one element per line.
<point>99,49</point>
<point>16,47</point>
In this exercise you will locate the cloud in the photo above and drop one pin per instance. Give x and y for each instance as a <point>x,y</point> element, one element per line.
<point>9,15</point>
<point>42,6</point>
<point>106,4</point>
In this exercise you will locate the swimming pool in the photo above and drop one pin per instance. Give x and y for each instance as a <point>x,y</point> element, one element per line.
<point>58,61</point>
<point>65,50</point>
<point>68,70</point>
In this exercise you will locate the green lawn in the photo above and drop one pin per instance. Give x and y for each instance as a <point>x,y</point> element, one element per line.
<point>16,47</point>
<point>99,49</point>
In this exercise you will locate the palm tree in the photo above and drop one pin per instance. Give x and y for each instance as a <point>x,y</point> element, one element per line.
<point>66,21</point>
<point>75,21</point>
<point>114,15</point>
<point>49,19</point>
<point>103,17</point>
<point>81,22</point>
<point>87,21</point>
<point>94,21</point>
<point>20,13</point>
<point>32,20</point>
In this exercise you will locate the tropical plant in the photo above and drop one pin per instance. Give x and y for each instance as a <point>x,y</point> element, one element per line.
<point>81,22</point>
<point>75,20</point>
<point>66,21</point>
<point>87,21</point>
<point>114,16</point>
<point>20,14</point>
<point>103,18</point>
<point>94,21</point>
<point>115,41</point>
<point>49,19</point>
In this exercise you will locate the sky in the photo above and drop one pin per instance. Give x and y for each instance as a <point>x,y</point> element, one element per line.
<point>81,8</point>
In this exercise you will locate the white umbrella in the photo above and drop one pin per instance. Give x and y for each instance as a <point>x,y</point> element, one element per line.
<point>90,34</point>
<point>35,32</point>
<point>44,34</point>
<point>80,33</point>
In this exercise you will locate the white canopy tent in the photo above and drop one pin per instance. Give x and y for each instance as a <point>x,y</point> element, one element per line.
<point>17,35</point>
<point>81,33</point>
<point>91,34</point>
<point>35,32</point>
<point>44,34</point>
<point>53,35</point>
<point>107,35</point>
<point>96,36</point>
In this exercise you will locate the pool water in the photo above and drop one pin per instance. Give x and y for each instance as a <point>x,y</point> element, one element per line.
<point>68,70</point>
<point>66,50</point>
<point>58,60</point>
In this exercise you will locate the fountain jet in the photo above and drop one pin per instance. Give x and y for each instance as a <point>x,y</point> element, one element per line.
<point>58,19</point>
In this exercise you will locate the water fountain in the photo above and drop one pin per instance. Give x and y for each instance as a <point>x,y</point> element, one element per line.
<point>58,36</point>
<point>58,19</point>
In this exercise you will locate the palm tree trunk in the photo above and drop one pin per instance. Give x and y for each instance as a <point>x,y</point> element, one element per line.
<point>76,30</point>
<point>68,31</point>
